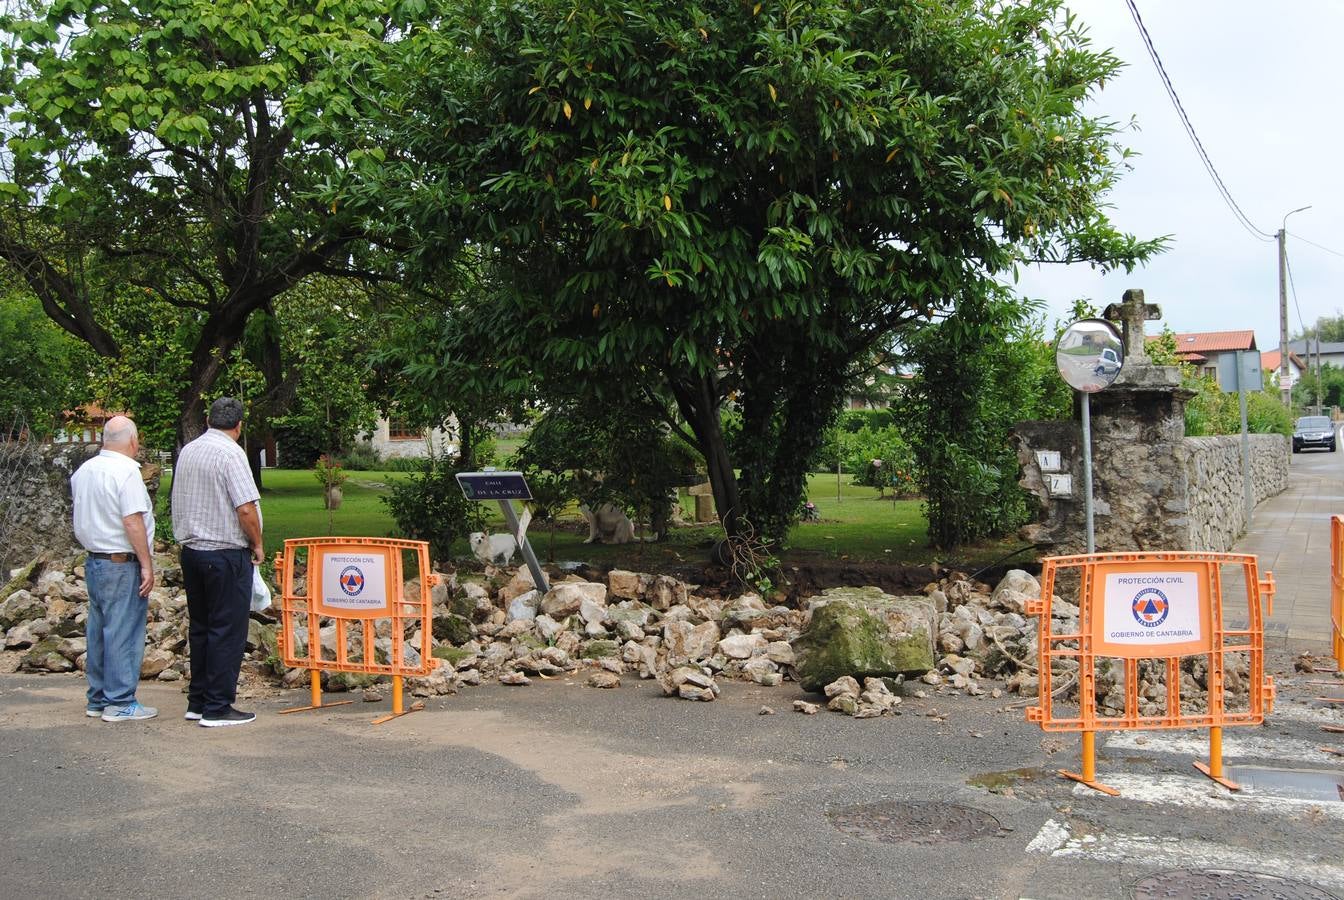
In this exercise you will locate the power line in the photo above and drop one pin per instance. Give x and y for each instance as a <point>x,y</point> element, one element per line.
<point>1190,130</point>
<point>1300,321</point>
<point>1316,245</point>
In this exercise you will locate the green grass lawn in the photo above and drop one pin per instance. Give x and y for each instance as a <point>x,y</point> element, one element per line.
<point>856,527</point>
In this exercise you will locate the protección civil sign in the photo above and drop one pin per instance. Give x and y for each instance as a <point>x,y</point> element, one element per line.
<point>354,582</point>
<point>1149,612</point>
<point>493,486</point>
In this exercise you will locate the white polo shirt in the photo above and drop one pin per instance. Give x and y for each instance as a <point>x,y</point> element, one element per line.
<point>106,489</point>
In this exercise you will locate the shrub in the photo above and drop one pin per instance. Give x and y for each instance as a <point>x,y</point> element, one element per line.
<point>362,457</point>
<point>429,506</point>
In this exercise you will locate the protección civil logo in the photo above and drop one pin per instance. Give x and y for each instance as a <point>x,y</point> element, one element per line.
<point>1150,607</point>
<point>352,580</point>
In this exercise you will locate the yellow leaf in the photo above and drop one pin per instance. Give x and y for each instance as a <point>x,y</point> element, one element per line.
<point>1003,195</point>
<point>568,110</point>
<point>704,34</point>
<point>592,201</point>
<point>597,310</point>
<point>667,203</point>
<point>1059,139</point>
<point>756,10</point>
<point>892,154</point>
<point>587,102</point>
<point>534,90</point>
<point>669,281</point>
<point>625,158</point>
<point>773,95</point>
<point>333,207</point>
<point>593,167</point>
<point>588,66</point>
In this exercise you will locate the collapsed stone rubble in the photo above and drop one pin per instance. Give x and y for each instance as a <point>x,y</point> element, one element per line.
<point>862,648</point>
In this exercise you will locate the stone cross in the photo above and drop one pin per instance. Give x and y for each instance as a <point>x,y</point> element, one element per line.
<point>1132,312</point>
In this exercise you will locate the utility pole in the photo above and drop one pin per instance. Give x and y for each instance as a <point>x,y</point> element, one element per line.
<point>1285,386</point>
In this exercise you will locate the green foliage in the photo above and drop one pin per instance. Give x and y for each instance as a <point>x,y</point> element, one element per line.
<point>882,459</point>
<point>429,506</point>
<point>329,472</point>
<point>166,148</point>
<point>852,420</point>
<point>324,333</point>
<point>1325,389</point>
<point>362,457</point>
<point>977,372</point>
<point>594,453</point>
<point>43,371</point>
<point>726,200</point>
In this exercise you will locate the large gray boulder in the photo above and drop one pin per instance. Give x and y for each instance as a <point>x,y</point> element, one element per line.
<point>863,632</point>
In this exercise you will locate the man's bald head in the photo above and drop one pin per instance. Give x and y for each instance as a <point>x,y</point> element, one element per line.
<point>120,434</point>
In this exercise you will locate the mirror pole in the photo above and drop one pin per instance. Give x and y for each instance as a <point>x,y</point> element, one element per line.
<point>1087,471</point>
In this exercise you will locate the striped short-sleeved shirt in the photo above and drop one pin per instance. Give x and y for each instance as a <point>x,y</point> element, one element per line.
<point>210,481</point>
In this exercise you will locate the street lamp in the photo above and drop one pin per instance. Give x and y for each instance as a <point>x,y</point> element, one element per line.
<point>1285,387</point>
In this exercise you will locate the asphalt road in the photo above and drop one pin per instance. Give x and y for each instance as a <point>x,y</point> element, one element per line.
<point>558,790</point>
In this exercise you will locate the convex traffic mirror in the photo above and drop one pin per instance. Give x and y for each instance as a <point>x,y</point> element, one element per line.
<point>1089,355</point>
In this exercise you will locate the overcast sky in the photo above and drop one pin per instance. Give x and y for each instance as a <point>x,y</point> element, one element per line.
<point>1262,84</point>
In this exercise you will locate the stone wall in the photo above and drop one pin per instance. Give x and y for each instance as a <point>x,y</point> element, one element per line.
<point>1148,493</point>
<point>1217,508</point>
<point>35,511</point>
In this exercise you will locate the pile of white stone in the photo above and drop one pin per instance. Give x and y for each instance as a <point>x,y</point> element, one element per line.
<point>44,607</point>
<point>498,627</point>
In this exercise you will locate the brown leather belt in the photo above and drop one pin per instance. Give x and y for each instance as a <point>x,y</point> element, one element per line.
<point>114,557</point>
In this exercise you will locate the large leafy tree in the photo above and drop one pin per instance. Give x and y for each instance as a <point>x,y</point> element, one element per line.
<point>736,201</point>
<point>44,373</point>
<point>161,145</point>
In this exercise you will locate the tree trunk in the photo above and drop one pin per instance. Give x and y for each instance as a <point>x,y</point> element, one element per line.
<point>699,406</point>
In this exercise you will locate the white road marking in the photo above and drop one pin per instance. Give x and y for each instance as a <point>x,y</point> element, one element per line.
<point>1200,793</point>
<point>1196,746</point>
<point>1154,851</point>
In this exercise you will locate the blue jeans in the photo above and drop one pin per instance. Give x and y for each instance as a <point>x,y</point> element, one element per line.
<point>115,631</point>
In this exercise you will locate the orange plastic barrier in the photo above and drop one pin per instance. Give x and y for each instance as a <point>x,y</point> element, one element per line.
<point>1158,606</point>
<point>355,584</point>
<point>1337,587</point>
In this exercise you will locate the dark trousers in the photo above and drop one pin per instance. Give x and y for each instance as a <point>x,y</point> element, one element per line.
<point>219,598</point>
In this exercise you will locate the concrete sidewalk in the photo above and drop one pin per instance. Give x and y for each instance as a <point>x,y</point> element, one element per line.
<point>1291,535</point>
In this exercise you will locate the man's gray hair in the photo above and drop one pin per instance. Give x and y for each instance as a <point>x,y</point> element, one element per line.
<point>225,413</point>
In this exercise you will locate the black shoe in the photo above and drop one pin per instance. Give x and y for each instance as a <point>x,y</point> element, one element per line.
<point>229,717</point>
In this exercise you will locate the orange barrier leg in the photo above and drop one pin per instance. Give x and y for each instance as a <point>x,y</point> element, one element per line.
<point>1214,768</point>
<point>316,689</point>
<point>1089,774</point>
<point>397,709</point>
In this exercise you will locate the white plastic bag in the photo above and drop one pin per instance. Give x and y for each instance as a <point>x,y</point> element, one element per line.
<point>261,593</point>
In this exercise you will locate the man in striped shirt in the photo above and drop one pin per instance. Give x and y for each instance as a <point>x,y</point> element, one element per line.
<point>217,520</point>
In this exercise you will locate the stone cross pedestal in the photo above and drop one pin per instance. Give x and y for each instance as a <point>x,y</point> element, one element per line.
<point>1131,313</point>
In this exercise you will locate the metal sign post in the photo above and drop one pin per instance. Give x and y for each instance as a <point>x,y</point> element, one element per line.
<point>506,487</point>
<point>1089,356</point>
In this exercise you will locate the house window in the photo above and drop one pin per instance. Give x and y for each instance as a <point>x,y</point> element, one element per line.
<point>400,430</point>
<point>1212,372</point>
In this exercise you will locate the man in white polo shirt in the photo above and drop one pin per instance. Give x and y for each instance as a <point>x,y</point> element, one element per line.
<point>115,523</point>
<point>217,520</point>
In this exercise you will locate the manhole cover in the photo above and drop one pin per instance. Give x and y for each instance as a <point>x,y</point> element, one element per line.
<point>1217,884</point>
<point>915,822</point>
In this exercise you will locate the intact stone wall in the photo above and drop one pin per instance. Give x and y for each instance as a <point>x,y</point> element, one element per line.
<point>1217,508</point>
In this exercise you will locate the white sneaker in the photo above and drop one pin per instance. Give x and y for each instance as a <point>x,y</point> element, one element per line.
<point>133,712</point>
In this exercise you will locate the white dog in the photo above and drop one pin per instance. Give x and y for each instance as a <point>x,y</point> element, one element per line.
<point>497,549</point>
<point>608,524</point>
